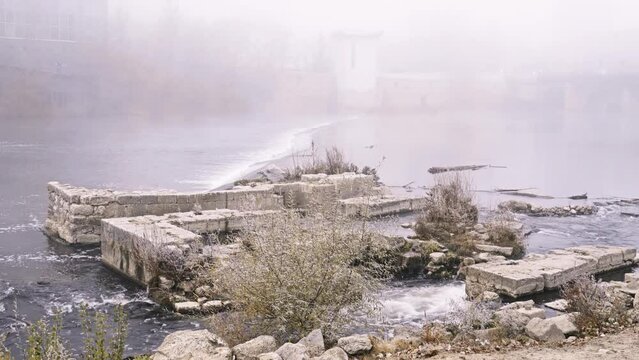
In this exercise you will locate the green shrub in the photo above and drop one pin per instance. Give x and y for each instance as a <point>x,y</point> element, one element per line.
<point>104,340</point>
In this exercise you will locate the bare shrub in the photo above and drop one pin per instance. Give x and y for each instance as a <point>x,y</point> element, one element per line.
<point>502,233</point>
<point>599,311</point>
<point>299,273</point>
<point>466,316</point>
<point>451,201</point>
<point>163,256</point>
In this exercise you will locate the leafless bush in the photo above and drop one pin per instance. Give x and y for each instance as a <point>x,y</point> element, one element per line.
<point>163,256</point>
<point>502,233</point>
<point>599,311</point>
<point>466,316</point>
<point>451,201</point>
<point>299,273</point>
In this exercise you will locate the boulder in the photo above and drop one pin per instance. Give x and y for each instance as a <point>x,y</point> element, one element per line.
<point>314,343</point>
<point>528,304</point>
<point>355,344</point>
<point>542,330</point>
<point>290,351</point>
<point>187,307</point>
<point>192,345</point>
<point>512,320</point>
<point>558,305</point>
<point>252,348</point>
<point>488,296</point>
<point>437,257</point>
<point>533,313</point>
<point>565,323</point>
<point>515,206</point>
<point>165,283</point>
<point>502,250</point>
<point>335,353</point>
<point>215,306</point>
<point>269,356</point>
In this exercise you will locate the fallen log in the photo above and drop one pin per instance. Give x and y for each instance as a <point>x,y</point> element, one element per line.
<point>525,194</point>
<point>583,196</point>
<point>439,170</point>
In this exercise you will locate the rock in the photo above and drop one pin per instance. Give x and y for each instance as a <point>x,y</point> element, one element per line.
<point>355,344</point>
<point>437,257</point>
<point>565,323</point>
<point>512,319</point>
<point>635,303</point>
<point>571,339</point>
<point>407,225</point>
<point>468,261</point>
<point>533,313</point>
<point>269,356</point>
<point>187,307</point>
<point>515,206</point>
<point>165,283</point>
<point>192,345</point>
<point>290,351</point>
<point>487,334</point>
<point>631,278</point>
<point>488,296</point>
<point>559,305</point>
<point>503,250</point>
<point>528,304</point>
<point>252,348</point>
<point>486,257</point>
<point>542,330</point>
<point>314,343</point>
<point>480,228</point>
<point>412,263</point>
<point>203,291</point>
<point>215,306</point>
<point>272,173</point>
<point>335,353</point>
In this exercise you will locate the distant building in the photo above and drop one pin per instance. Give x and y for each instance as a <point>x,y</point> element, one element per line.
<point>355,65</point>
<point>50,53</point>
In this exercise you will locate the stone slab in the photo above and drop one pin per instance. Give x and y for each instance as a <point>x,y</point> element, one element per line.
<point>537,273</point>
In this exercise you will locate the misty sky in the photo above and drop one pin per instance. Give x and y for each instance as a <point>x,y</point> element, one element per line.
<point>565,33</point>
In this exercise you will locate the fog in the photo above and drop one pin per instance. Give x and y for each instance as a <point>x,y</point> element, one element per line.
<point>194,58</point>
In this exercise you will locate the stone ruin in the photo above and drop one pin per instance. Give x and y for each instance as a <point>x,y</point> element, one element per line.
<point>125,223</point>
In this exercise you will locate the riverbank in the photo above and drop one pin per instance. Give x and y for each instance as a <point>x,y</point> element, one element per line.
<point>621,346</point>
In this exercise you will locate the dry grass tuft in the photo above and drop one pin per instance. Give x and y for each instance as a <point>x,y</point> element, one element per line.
<point>332,163</point>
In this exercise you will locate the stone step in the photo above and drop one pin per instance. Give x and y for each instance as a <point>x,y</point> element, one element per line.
<point>537,273</point>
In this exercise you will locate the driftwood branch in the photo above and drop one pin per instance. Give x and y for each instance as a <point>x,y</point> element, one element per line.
<point>439,170</point>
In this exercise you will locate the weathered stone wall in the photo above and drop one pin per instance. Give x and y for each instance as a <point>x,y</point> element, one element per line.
<point>74,213</point>
<point>128,243</point>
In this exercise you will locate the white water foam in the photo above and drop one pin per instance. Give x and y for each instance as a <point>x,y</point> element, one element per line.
<point>81,299</point>
<point>45,257</point>
<point>33,224</point>
<point>412,305</point>
<point>285,144</point>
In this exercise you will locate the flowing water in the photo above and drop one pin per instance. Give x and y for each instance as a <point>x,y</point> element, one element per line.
<point>558,155</point>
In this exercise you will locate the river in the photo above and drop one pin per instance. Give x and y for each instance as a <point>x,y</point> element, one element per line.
<point>557,154</point>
